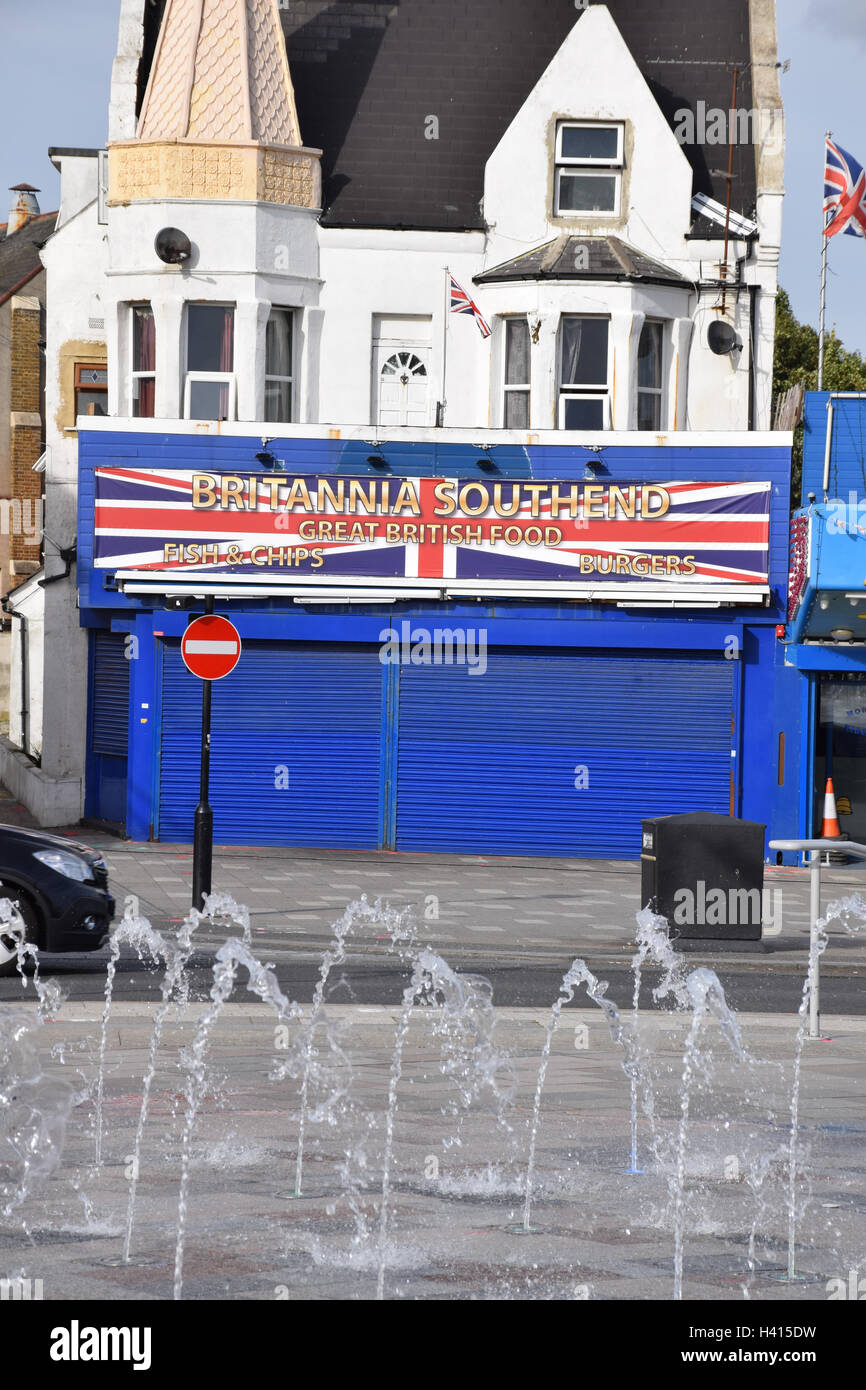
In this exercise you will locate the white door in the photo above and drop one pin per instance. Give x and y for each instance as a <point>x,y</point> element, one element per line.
<point>403,377</point>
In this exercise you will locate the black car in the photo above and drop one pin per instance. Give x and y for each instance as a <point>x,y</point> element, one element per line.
<point>61,888</point>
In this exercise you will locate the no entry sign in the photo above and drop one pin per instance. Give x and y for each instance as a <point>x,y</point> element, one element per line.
<point>211,647</point>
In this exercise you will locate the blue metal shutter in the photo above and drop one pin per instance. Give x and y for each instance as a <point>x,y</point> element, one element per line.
<point>105,792</point>
<point>109,710</point>
<point>307,713</point>
<point>487,763</point>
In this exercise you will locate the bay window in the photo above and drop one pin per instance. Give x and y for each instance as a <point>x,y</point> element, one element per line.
<point>583,373</point>
<point>210,386</point>
<point>278,365</point>
<point>515,407</point>
<point>649,376</point>
<point>143,376</point>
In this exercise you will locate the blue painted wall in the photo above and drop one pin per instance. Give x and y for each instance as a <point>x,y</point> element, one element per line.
<point>836,563</point>
<point>847,446</point>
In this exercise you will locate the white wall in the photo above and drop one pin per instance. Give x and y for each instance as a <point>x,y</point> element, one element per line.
<point>27,601</point>
<point>592,77</point>
<point>124,71</point>
<point>401,273</point>
<point>76,261</point>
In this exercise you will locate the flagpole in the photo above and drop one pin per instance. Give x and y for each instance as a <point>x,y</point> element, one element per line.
<point>441,417</point>
<point>824,248</point>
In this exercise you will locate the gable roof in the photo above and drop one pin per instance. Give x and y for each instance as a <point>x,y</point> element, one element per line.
<point>367,76</point>
<point>19,253</point>
<point>608,258</point>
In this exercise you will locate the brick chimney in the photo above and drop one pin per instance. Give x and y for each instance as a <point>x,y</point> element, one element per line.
<point>24,207</point>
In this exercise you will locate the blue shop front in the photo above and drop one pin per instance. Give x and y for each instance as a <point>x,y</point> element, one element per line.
<point>825,650</point>
<point>521,647</point>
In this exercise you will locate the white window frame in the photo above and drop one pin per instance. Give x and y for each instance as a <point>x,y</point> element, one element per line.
<point>524,388</point>
<point>133,374</point>
<point>588,167</point>
<point>592,391</point>
<point>218,377</point>
<point>654,390</point>
<point>102,188</point>
<point>583,396</point>
<point>271,376</point>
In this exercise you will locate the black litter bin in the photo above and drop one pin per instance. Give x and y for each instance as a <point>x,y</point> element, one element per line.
<point>705,874</point>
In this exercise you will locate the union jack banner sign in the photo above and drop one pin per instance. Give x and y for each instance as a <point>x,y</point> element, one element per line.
<point>588,539</point>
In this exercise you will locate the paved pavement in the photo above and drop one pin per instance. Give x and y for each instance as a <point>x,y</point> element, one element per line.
<point>493,908</point>
<point>519,921</point>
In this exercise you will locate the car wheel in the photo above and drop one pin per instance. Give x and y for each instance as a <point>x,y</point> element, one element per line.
<point>8,953</point>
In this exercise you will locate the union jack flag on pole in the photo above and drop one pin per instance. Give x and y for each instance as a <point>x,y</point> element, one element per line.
<point>844,193</point>
<point>462,304</point>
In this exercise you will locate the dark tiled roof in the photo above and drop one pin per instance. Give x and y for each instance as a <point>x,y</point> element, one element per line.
<point>19,253</point>
<point>368,75</point>
<point>608,258</point>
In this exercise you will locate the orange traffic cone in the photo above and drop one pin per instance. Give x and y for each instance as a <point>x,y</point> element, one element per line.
<point>830,829</point>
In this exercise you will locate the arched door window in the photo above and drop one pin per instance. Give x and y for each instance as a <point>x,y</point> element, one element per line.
<point>404,387</point>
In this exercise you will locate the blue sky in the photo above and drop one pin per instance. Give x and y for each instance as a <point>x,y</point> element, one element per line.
<point>55,72</point>
<point>825,41</point>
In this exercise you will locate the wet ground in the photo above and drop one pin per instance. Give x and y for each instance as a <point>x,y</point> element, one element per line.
<point>458,1172</point>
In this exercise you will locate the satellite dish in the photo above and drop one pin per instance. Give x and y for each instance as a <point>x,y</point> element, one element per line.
<point>172,246</point>
<point>721,338</point>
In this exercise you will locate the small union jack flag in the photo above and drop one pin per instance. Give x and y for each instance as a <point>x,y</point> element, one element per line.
<point>844,193</point>
<point>462,304</point>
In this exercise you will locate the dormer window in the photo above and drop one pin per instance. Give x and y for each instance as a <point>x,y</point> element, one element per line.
<point>588,177</point>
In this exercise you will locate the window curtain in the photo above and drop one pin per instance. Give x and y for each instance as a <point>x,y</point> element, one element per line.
<point>517,353</point>
<point>278,344</point>
<point>146,397</point>
<point>649,356</point>
<point>144,360</point>
<point>572,339</point>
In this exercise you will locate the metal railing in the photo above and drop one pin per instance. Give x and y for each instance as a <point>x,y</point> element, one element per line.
<point>817,848</point>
